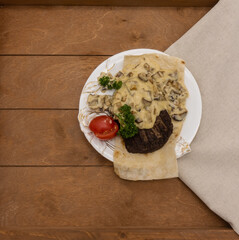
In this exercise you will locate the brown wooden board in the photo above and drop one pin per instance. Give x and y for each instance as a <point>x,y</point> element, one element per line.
<point>57,197</point>
<point>44,82</point>
<point>150,3</point>
<point>53,184</point>
<point>118,234</point>
<point>34,137</point>
<point>92,30</point>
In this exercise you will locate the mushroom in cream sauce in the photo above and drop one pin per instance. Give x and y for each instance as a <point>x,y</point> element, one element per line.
<point>147,90</point>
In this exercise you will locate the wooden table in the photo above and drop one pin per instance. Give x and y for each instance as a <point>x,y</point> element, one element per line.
<point>53,184</point>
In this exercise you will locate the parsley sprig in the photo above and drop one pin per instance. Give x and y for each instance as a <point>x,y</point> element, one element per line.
<point>127,122</point>
<point>105,81</point>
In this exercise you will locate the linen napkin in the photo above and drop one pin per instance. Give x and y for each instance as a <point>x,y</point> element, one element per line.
<point>211,51</point>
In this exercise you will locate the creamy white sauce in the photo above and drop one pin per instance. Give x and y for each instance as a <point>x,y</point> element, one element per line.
<point>159,89</point>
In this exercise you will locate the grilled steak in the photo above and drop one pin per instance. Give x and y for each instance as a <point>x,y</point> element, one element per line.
<point>150,140</point>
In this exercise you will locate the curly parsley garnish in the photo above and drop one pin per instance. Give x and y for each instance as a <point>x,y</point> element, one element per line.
<point>127,122</point>
<point>110,84</point>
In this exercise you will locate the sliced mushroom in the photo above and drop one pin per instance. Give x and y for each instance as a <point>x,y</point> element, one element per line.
<point>130,74</point>
<point>148,95</point>
<point>147,67</point>
<point>158,74</point>
<point>152,70</point>
<point>143,77</point>
<point>183,96</point>
<point>173,95</point>
<point>174,75</point>
<point>148,75</point>
<point>138,120</point>
<point>123,99</point>
<point>179,117</point>
<point>117,95</point>
<point>158,86</point>
<point>155,76</point>
<point>159,96</point>
<point>131,86</point>
<point>176,85</point>
<point>151,80</point>
<point>103,90</point>
<point>118,105</point>
<point>172,106</point>
<point>107,102</point>
<point>119,74</point>
<point>99,103</point>
<point>131,92</point>
<point>146,102</point>
<point>166,89</point>
<point>138,108</point>
<point>93,101</point>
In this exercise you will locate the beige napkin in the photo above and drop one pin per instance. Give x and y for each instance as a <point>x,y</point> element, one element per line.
<point>211,51</point>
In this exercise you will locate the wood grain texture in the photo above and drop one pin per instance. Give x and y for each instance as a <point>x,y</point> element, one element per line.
<point>150,3</point>
<point>95,197</point>
<point>90,30</point>
<point>44,138</point>
<point>44,82</point>
<point>118,234</point>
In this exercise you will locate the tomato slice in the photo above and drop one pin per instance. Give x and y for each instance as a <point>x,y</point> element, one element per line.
<point>104,127</point>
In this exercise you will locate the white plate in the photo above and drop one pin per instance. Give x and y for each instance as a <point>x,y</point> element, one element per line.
<point>113,65</point>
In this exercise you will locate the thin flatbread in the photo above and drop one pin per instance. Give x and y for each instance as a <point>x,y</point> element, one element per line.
<point>162,163</point>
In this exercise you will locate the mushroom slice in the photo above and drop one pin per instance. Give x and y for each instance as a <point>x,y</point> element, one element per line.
<point>147,67</point>
<point>131,87</point>
<point>158,74</point>
<point>173,95</point>
<point>93,100</point>
<point>180,116</point>
<point>148,95</point>
<point>159,96</point>
<point>138,108</point>
<point>96,102</point>
<point>172,107</point>
<point>151,80</point>
<point>146,102</point>
<point>138,120</point>
<point>152,70</point>
<point>107,102</point>
<point>123,99</point>
<point>119,74</point>
<point>174,75</point>
<point>142,77</point>
<point>130,74</point>
<point>148,75</point>
<point>183,95</point>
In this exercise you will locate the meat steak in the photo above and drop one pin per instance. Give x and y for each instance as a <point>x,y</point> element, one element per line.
<point>150,140</point>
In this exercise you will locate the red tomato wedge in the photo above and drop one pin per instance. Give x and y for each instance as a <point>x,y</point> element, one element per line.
<point>104,127</point>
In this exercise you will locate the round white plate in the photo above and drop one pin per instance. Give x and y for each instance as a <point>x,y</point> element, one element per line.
<point>113,65</point>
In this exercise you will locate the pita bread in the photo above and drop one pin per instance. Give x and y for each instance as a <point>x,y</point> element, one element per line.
<point>162,163</point>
